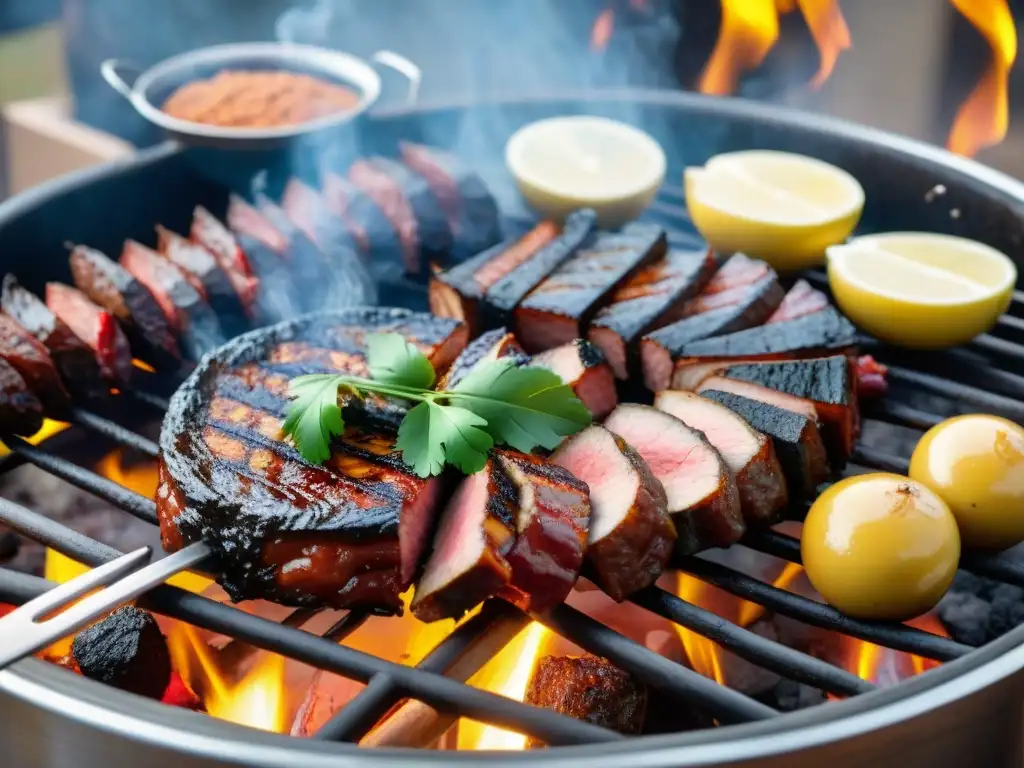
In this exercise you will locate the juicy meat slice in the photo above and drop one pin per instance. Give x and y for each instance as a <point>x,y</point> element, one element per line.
<point>582,366</point>
<point>96,327</point>
<point>764,394</point>
<point>749,454</point>
<point>364,220</point>
<point>116,290</point>
<point>797,440</point>
<point>650,299</point>
<point>433,232</point>
<point>486,348</point>
<point>748,306</point>
<point>75,361</point>
<point>729,284</point>
<point>551,524</point>
<point>29,358</point>
<point>703,500</point>
<point>591,689</point>
<point>210,233</point>
<point>801,300</point>
<point>561,307</point>
<point>304,206</point>
<point>631,535</point>
<point>245,218</point>
<point>385,192</point>
<point>468,563</point>
<point>20,410</point>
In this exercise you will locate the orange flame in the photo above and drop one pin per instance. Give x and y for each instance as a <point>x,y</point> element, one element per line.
<point>830,33</point>
<point>751,612</point>
<point>884,666</point>
<point>704,656</point>
<point>602,30</point>
<point>984,117</point>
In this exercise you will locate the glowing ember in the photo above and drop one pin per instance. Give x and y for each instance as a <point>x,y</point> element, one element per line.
<point>884,666</point>
<point>48,429</point>
<point>984,117</point>
<point>751,612</point>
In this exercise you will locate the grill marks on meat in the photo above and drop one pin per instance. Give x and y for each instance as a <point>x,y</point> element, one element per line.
<point>582,366</point>
<point>211,234</point>
<point>96,327</point>
<point>631,535</point>
<point>561,307</point>
<point>749,454</point>
<point>651,298</point>
<point>703,499</point>
<point>20,409</point>
<point>728,285</point>
<point>801,300</point>
<point>29,358</point>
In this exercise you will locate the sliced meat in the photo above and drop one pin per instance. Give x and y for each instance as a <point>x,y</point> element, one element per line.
<point>304,206</point>
<point>631,535</point>
<point>75,361</point>
<point>749,454</point>
<point>468,205</point>
<point>491,346</point>
<point>459,291</point>
<point>801,300</point>
<point>125,650</point>
<point>29,358</point>
<point>20,410</point>
<point>797,440</point>
<point>365,221</point>
<point>590,689</point>
<point>764,394</point>
<point>703,500</point>
<point>210,233</point>
<point>728,283</point>
<point>96,327</point>
<point>561,307</point>
<point>384,191</point>
<point>552,517</point>
<point>349,533</point>
<point>871,381</point>
<point>468,563</point>
<point>203,272</point>
<point>582,366</point>
<point>187,313</point>
<point>115,289</point>
<point>652,298</point>
<point>659,349</point>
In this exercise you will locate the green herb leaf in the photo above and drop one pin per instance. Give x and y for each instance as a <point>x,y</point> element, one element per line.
<point>313,417</point>
<point>433,435</point>
<point>523,406</point>
<point>393,360</point>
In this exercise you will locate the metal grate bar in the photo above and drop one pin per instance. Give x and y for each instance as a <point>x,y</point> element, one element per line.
<point>103,426</point>
<point>155,402</point>
<point>869,457</point>
<point>958,392</point>
<point>899,414</point>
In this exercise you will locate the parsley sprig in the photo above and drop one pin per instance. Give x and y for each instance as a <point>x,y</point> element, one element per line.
<point>497,403</point>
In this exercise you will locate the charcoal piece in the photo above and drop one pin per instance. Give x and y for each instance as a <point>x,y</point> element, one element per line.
<point>125,650</point>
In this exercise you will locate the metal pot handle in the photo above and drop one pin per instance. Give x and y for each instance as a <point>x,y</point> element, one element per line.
<point>404,67</point>
<point>109,70</point>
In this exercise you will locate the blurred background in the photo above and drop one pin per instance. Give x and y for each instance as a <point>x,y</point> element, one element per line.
<point>938,70</point>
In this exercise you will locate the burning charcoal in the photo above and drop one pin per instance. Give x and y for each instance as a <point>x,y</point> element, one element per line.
<point>125,650</point>
<point>590,689</point>
<point>29,358</point>
<point>178,694</point>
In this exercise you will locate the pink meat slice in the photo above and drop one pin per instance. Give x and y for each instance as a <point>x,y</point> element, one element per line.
<point>383,191</point>
<point>582,366</point>
<point>764,394</point>
<point>799,301</point>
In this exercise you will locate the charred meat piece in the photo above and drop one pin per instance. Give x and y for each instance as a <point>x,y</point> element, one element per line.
<point>116,290</point>
<point>590,689</point>
<point>467,204</point>
<point>749,454</point>
<point>365,221</point>
<point>125,650</point>
<point>205,275</point>
<point>20,410</point>
<point>801,300</point>
<point>631,535</point>
<point>468,563</point>
<point>582,366</point>
<point>561,307</point>
<point>797,440</point>
<point>188,314</point>
<point>486,348</point>
<point>96,327</point>
<point>210,233</point>
<point>75,361</point>
<point>653,297</point>
<point>765,395</point>
<point>459,291</point>
<point>728,286</point>
<point>703,500</point>
<point>305,208</point>
<point>345,534</point>
<point>29,358</point>
<point>659,349</point>
<point>552,517</point>
<point>871,381</point>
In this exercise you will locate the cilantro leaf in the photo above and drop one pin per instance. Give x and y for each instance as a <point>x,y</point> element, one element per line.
<point>523,406</point>
<point>393,360</point>
<point>433,435</point>
<point>313,417</point>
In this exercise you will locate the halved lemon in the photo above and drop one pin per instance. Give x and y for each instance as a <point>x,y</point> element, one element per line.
<point>777,206</point>
<point>919,289</point>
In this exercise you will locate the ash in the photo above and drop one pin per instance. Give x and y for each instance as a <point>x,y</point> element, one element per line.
<point>977,610</point>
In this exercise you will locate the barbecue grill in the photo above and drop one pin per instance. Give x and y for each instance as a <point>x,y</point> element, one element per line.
<point>966,712</point>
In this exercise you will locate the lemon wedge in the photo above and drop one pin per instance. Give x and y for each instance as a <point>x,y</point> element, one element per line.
<point>921,290</point>
<point>777,206</point>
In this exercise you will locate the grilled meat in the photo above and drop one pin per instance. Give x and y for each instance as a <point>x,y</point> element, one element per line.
<point>187,313</point>
<point>210,233</point>
<point>468,206</point>
<point>75,361</point>
<point>750,305</point>
<point>459,291</point>
<point>764,394</point>
<point>125,650</point>
<point>29,358</point>
<point>96,327</point>
<point>20,410</point>
<point>801,300</point>
<point>653,297</point>
<point>552,517</point>
<point>797,440</point>
<point>349,533</point>
<point>116,290</point>
<point>703,500</point>
<point>582,366</point>
<point>561,307</point>
<point>631,535</point>
<point>306,209</point>
<point>749,454</point>
<point>871,381</point>
<point>728,286</point>
<point>468,563</point>
<point>365,221</point>
<point>490,346</point>
<point>590,689</point>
